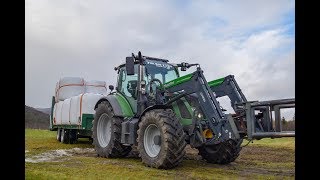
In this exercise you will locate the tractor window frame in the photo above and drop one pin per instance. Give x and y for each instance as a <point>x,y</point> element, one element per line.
<point>122,81</point>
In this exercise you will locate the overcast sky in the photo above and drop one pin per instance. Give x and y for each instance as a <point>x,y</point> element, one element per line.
<point>253,40</point>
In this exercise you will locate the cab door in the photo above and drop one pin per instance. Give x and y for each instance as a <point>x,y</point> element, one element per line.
<point>127,85</point>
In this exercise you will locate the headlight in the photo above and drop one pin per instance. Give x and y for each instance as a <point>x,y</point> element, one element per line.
<point>198,115</point>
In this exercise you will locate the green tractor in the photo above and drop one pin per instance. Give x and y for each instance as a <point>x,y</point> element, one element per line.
<point>159,112</point>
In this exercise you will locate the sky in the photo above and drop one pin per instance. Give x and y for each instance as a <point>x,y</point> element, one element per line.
<point>252,40</point>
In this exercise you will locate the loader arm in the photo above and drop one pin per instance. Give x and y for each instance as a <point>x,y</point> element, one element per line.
<point>217,120</point>
<point>258,125</point>
<point>228,86</point>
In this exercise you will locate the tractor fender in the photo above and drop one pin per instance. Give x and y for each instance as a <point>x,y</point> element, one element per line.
<point>151,108</point>
<point>119,105</point>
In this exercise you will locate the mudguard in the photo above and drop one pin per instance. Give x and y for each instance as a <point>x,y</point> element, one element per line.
<point>120,105</point>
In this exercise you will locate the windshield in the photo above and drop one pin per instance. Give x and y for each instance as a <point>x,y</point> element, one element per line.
<point>160,70</point>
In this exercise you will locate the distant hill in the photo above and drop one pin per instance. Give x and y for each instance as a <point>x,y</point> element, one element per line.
<point>35,119</point>
<point>44,110</point>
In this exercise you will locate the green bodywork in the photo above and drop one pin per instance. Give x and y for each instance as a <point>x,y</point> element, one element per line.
<point>183,121</point>
<point>127,110</point>
<point>187,121</point>
<point>85,129</point>
<point>86,123</point>
<point>216,82</point>
<point>178,81</point>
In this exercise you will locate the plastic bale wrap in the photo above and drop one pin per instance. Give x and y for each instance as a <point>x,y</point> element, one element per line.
<point>54,114</point>
<point>56,92</point>
<point>75,109</point>
<point>58,112</point>
<point>65,112</point>
<point>89,100</point>
<point>69,87</point>
<point>96,87</point>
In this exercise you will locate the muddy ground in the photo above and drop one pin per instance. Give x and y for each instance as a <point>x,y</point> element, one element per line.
<point>262,161</point>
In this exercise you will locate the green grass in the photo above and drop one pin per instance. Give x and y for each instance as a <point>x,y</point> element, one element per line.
<point>38,141</point>
<point>263,159</point>
<point>279,143</point>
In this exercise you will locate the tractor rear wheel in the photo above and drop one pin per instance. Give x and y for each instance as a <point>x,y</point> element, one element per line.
<point>161,139</point>
<point>223,153</point>
<point>107,133</point>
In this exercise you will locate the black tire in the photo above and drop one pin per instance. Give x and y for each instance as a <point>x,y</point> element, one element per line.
<point>114,148</point>
<point>223,153</point>
<point>59,134</point>
<point>65,136</point>
<point>91,140</point>
<point>73,136</point>
<point>172,147</point>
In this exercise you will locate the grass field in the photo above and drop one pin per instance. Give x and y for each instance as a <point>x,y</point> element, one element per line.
<point>46,158</point>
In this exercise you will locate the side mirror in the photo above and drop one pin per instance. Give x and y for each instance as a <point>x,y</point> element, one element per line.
<point>111,87</point>
<point>130,65</point>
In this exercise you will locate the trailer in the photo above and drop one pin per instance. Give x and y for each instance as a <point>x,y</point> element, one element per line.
<point>72,107</point>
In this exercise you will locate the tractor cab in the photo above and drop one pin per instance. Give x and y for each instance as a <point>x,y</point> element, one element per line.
<point>154,73</point>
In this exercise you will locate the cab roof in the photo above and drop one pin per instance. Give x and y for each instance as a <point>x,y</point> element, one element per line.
<point>145,58</point>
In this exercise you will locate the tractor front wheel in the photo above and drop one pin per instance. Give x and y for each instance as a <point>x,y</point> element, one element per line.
<point>161,139</point>
<point>223,153</point>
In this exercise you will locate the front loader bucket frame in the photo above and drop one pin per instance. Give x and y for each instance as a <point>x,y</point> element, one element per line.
<point>267,107</point>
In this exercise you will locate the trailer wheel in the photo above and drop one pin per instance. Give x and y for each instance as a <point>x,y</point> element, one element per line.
<point>161,139</point>
<point>107,133</point>
<point>65,136</point>
<point>59,134</point>
<point>73,136</point>
<point>223,153</point>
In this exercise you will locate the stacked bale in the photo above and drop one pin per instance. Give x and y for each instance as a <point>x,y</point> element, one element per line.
<point>68,87</point>
<point>96,87</point>
<point>75,97</point>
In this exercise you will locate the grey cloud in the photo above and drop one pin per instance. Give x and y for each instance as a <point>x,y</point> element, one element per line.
<point>78,38</point>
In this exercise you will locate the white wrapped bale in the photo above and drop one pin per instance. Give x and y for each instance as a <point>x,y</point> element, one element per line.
<point>69,87</point>
<point>75,109</point>
<point>54,114</point>
<point>65,112</point>
<point>96,87</point>
<point>58,112</point>
<point>88,102</point>
<point>56,92</point>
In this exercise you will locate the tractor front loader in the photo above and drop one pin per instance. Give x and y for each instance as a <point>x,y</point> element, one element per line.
<point>160,112</point>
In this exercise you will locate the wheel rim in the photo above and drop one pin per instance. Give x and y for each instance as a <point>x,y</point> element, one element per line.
<point>58,134</point>
<point>148,140</point>
<point>62,135</point>
<point>104,130</point>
